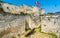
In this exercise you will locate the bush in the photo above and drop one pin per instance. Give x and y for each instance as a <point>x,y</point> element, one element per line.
<point>53,35</point>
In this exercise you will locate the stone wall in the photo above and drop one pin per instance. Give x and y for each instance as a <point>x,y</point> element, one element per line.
<point>14,9</point>
<point>10,8</point>
<point>51,25</point>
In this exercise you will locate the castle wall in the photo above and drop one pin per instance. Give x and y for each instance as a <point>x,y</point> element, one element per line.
<point>10,8</point>
<point>51,25</point>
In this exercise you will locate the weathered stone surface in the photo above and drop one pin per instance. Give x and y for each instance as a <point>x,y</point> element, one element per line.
<point>51,25</point>
<point>15,23</point>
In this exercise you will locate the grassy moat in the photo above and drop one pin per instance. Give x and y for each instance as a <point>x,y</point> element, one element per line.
<point>33,33</point>
<point>36,33</point>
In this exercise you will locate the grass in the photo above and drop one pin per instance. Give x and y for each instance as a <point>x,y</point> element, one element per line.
<point>51,34</point>
<point>18,35</point>
<point>27,29</point>
<point>13,37</point>
<point>49,14</point>
<point>42,15</point>
<point>39,28</point>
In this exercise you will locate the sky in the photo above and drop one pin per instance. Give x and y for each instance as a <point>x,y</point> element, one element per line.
<point>49,5</point>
